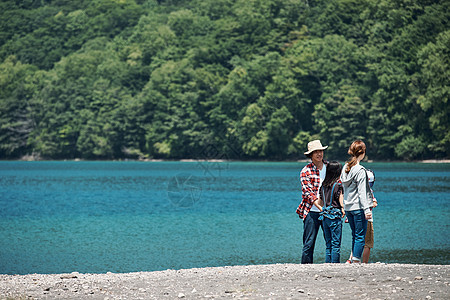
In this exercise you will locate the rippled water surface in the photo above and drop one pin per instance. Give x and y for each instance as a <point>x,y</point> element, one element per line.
<point>144,216</point>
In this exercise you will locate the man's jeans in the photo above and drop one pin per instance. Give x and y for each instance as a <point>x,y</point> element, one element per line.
<point>332,232</point>
<point>358,224</point>
<point>311,225</point>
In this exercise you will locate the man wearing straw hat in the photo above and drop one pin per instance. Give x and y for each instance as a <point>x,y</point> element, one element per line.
<point>311,178</point>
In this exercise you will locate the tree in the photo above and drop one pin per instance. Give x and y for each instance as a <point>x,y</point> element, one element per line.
<point>434,99</point>
<point>235,79</point>
<point>279,135</point>
<point>16,90</point>
<point>80,98</point>
<point>252,133</point>
<point>340,119</point>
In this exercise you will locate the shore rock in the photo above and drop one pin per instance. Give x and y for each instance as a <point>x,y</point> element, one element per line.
<point>280,281</point>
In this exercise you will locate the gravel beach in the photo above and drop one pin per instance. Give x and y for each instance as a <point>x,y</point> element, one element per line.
<point>280,281</point>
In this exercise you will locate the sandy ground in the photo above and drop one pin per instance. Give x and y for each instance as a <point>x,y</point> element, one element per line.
<point>280,281</point>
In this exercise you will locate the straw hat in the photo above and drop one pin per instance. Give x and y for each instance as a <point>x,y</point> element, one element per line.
<point>315,145</point>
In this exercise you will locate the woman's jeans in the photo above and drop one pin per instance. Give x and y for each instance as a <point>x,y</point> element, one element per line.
<point>332,232</point>
<point>358,224</point>
<point>311,225</point>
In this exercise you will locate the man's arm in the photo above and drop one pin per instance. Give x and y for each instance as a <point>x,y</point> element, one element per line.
<point>308,187</point>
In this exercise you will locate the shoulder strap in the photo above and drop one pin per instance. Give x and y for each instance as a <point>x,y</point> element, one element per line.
<point>331,196</point>
<point>332,193</point>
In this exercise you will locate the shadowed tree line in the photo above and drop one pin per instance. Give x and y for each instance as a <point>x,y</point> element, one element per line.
<point>236,79</point>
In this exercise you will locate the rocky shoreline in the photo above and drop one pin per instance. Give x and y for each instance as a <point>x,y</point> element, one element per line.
<point>280,281</point>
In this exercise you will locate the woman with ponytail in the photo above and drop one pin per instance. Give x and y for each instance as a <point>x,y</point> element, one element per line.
<point>358,198</point>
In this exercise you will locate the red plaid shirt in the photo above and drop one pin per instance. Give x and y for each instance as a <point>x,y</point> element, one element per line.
<point>310,180</point>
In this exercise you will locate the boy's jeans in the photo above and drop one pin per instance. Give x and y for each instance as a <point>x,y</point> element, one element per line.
<point>358,224</point>
<point>311,225</point>
<point>332,232</point>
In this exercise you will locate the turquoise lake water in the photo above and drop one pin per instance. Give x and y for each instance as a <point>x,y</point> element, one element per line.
<point>95,217</point>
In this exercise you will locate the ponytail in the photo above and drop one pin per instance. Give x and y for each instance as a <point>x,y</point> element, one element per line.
<point>356,149</point>
<point>350,163</point>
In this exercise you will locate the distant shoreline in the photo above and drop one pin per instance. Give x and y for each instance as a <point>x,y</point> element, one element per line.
<point>28,158</point>
<point>435,161</point>
<point>278,281</point>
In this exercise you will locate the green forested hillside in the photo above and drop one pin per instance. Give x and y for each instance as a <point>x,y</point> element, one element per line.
<point>230,79</point>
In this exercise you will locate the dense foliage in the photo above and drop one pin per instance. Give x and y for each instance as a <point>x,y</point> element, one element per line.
<point>230,79</point>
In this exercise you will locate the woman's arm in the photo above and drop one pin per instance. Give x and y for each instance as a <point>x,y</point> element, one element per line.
<point>341,203</point>
<point>319,203</point>
<point>364,194</point>
<point>375,202</point>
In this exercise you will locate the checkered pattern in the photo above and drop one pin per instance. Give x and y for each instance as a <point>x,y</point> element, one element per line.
<point>310,180</point>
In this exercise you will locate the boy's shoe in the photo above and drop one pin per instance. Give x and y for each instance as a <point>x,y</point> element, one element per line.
<point>348,261</point>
